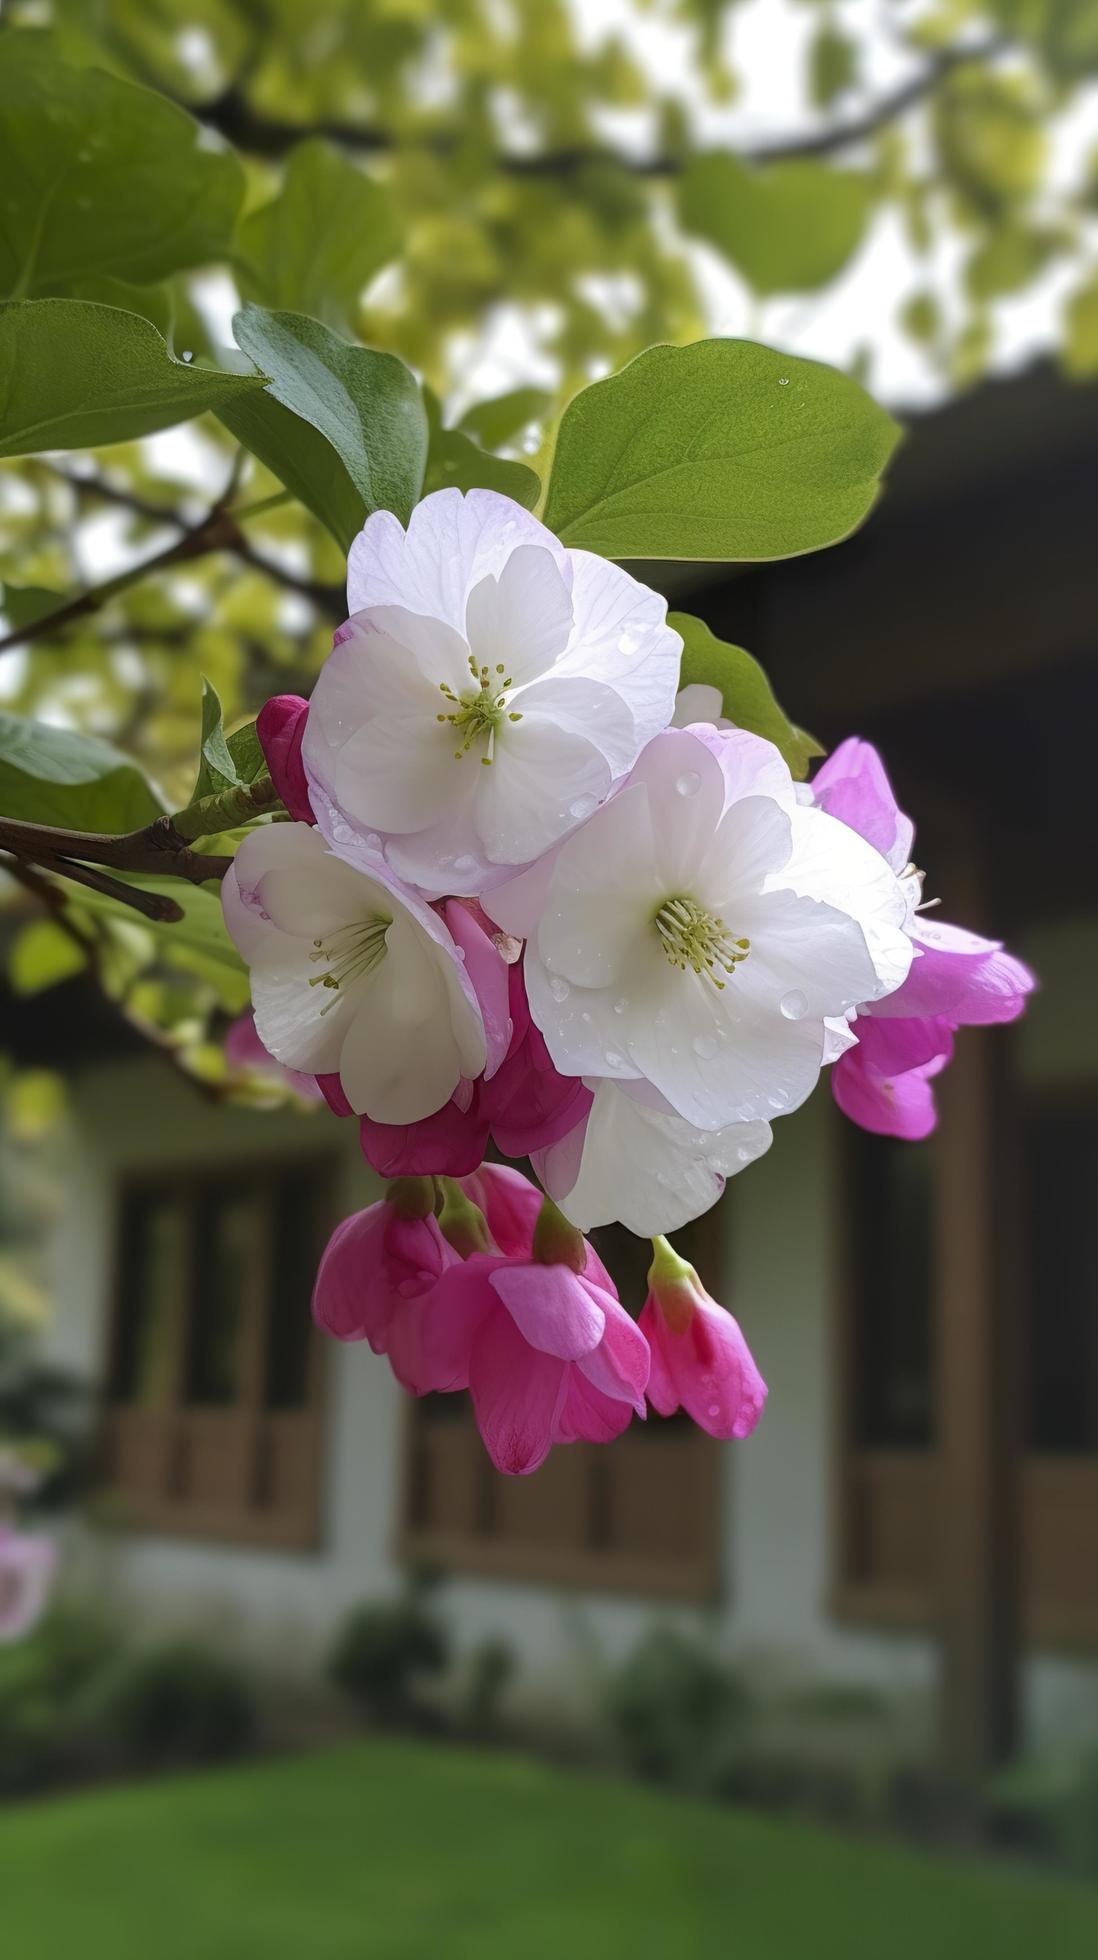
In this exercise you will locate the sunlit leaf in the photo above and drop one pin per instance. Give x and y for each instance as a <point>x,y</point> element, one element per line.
<point>454,461</point>
<point>41,956</point>
<point>74,375</point>
<point>788,228</point>
<point>315,247</point>
<point>100,176</point>
<point>720,450</point>
<point>56,776</point>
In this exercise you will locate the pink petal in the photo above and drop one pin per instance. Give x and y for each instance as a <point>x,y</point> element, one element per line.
<point>517,1395</point>
<point>973,982</point>
<point>589,1416</point>
<point>619,1365</point>
<point>891,1106</point>
<point>451,1143</point>
<point>489,976</point>
<point>853,786</point>
<point>552,1309</point>
<point>280,726</point>
<point>510,1203</point>
<point>708,1369</point>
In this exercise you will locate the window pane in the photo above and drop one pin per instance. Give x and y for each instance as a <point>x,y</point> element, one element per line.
<point>1062,1291</point>
<point>151,1256</point>
<point>295,1251</point>
<point>890,1208</point>
<point>227,1245</point>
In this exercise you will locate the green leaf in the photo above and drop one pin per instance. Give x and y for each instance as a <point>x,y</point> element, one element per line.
<point>101,176</point>
<point>74,375</point>
<point>56,776</point>
<point>1010,258</point>
<point>833,63</point>
<point>21,605</point>
<point>41,957</point>
<point>197,943</point>
<point>497,422</point>
<point>720,450</point>
<point>789,228</point>
<point>226,762</point>
<point>921,317</point>
<point>454,462</point>
<point>315,247</point>
<point>1081,342</point>
<point>747,695</point>
<point>360,404</point>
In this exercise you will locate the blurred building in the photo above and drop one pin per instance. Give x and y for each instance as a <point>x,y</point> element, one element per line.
<point>919,1509</point>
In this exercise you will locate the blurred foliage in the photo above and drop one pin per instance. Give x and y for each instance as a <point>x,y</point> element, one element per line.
<point>45,1683</point>
<point>471,187</point>
<point>177,1702</point>
<point>385,1650</point>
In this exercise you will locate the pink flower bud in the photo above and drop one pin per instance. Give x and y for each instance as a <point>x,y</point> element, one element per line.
<point>280,726</point>
<point>700,1360</point>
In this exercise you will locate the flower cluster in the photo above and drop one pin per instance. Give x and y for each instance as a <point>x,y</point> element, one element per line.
<point>529,898</point>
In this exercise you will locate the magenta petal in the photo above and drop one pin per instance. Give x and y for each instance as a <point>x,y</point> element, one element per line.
<point>451,1143</point>
<point>900,1105</point>
<point>517,1396</point>
<point>489,975</point>
<point>972,982</point>
<point>589,1416</point>
<point>551,1308</point>
<point>331,1089</point>
<point>707,1368</point>
<point>853,786</point>
<point>280,726</point>
<point>892,1047</point>
<point>619,1366</point>
<point>510,1203</point>
<point>372,1266</point>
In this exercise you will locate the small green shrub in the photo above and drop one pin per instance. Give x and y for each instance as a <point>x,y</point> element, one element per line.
<point>45,1680</point>
<point>1053,1799</point>
<point>177,1703</point>
<point>680,1714</point>
<point>384,1650</point>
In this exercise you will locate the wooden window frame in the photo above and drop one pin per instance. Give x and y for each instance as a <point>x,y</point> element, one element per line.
<point>174,1434</point>
<point>593,1480</point>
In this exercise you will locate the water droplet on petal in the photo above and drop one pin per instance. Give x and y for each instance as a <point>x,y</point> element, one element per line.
<point>713,1410</point>
<point>613,1059</point>
<point>779,1099</point>
<point>465,863</point>
<point>743,1154</point>
<point>794,1005</point>
<point>705,1046</point>
<point>559,987</point>
<point>689,783</point>
<point>582,807</point>
<point>620,1005</point>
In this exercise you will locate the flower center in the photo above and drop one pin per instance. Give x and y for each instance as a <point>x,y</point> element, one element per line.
<point>349,953</point>
<point>692,937</point>
<point>481,710</point>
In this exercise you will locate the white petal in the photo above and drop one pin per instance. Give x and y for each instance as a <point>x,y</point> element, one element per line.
<point>621,636</point>
<point>400,1061</point>
<point>522,618</point>
<point>649,1171</point>
<point>754,838</point>
<point>831,862</point>
<point>806,959</point>
<point>452,542</point>
<point>686,794</point>
<point>401,773</point>
<point>699,702</point>
<point>716,1057</point>
<point>542,778</point>
<point>584,1031</point>
<point>600,898</point>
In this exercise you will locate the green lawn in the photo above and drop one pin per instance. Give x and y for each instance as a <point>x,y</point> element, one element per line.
<point>398,1849</point>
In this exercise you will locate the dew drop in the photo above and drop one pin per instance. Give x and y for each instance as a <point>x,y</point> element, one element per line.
<point>743,1154</point>
<point>713,1410</point>
<point>620,1005</point>
<point>689,783</point>
<point>794,1005</point>
<point>582,807</point>
<point>188,354</point>
<point>705,1046</point>
<point>783,381</point>
<point>779,1099</point>
<point>559,987</point>
<point>613,1059</point>
<point>465,863</point>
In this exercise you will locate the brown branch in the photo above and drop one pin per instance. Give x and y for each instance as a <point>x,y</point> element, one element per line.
<point>252,129</point>
<point>157,850</point>
<point>155,906</point>
<point>328,599</point>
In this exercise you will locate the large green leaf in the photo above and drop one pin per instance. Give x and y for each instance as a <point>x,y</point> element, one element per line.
<point>720,450</point>
<point>56,776</point>
<point>745,691</point>
<point>316,246</point>
<point>74,375</point>
<point>455,462</point>
<point>789,228</point>
<point>225,761</point>
<point>100,176</point>
<point>364,445</point>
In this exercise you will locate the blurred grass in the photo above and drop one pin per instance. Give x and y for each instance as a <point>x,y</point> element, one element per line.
<point>399,1849</point>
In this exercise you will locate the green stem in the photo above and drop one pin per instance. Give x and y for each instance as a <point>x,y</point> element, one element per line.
<point>226,809</point>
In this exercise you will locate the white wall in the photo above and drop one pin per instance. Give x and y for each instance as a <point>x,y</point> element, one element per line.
<point>779,1222</point>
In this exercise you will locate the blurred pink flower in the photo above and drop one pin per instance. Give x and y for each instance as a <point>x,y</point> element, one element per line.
<point>244,1050</point>
<point>27,1566</point>
<point>700,1360</point>
<point>956,979</point>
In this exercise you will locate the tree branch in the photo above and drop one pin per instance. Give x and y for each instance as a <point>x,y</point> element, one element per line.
<point>252,129</point>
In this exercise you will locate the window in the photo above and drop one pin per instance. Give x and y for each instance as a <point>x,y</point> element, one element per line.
<point>886,1464</point>
<point>1059,1491</point>
<point>212,1422</point>
<point>642,1516</point>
